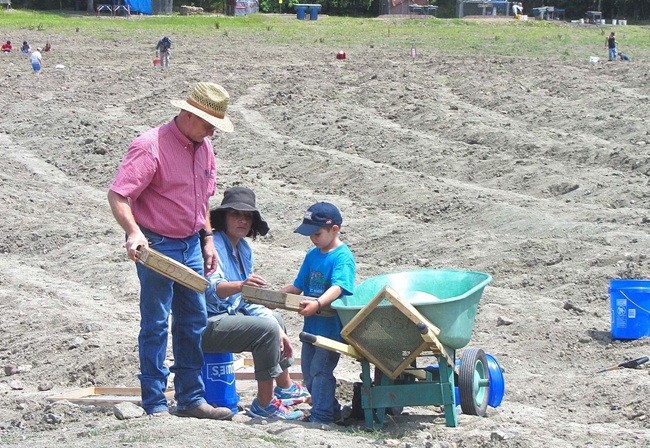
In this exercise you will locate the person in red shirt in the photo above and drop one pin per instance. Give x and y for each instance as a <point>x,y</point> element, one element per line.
<point>7,47</point>
<point>159,196</point>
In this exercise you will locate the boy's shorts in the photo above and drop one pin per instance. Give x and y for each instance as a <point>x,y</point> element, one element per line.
<point>36,66</point>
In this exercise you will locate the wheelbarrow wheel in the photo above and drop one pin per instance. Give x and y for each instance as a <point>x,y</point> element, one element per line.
<point>473,382</point>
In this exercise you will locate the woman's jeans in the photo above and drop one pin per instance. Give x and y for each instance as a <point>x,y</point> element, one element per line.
<point>318,366</point>
<point>160,296</point>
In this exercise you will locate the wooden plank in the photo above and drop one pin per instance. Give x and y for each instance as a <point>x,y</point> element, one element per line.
<point>105,396</point>
<point>277,299</point>
<point>336,346</point>
<point>248,373</point>
<point>245,369</point>
<point>172,269</point>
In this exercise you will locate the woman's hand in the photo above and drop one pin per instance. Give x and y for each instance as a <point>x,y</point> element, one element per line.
<point>253,280</point>
<point>286,348</point>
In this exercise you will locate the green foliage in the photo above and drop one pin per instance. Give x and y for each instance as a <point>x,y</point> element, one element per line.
<point>630,9</point>
<point>532,39</point>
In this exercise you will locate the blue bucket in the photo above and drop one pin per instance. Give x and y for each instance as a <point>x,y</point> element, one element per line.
<point>630,306</point>
<point>218,374</point>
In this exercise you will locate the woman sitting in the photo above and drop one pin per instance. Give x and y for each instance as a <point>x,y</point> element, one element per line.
<point>237,326</point>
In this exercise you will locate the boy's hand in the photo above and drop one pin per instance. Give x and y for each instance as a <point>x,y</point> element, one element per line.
<point>310,307</point>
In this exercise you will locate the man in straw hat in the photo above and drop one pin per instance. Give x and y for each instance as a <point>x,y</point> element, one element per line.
<point>160,198</point>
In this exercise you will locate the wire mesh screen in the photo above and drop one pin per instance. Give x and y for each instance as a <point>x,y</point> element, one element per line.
<point>387,338</point>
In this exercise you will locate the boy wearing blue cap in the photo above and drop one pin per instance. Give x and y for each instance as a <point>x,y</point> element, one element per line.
<point>326,273</point>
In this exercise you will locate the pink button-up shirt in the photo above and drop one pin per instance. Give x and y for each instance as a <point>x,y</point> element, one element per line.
<point>168,181</point>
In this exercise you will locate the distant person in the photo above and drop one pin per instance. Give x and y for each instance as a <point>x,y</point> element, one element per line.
<point>35,59</point>
<point>326,273</point>
<point>26,48</point>
<point>7,47</point>
<point>47,47</point>
<point>624,57</point>
<point>237,326</point>
<point>164,51</point>
<point>517,9</point>
<point>610,44</point>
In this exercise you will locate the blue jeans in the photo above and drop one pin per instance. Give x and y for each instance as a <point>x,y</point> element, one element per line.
<point>612,54</point>
<point>318,366</point>
<point>160,297</point>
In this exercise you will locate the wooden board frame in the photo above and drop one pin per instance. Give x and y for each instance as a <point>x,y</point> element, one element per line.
<point>109,396</point>
<point>276,299</point>
<point>432,332</point>
<point>244,369</point>
<point>105,396</point>
<point>429,340</point>
<point>172,269</point>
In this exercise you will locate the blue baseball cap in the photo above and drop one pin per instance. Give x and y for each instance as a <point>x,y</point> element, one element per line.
<point>319,215</point>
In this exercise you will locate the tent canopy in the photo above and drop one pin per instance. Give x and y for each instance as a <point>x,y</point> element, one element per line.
<point>150,6</point>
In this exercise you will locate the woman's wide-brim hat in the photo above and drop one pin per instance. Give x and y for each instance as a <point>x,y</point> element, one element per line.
<point>208,101</point>
<point>241,199</point>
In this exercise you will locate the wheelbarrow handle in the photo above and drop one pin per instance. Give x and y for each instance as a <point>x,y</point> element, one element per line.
<point>329,344</point>
<point>307,337</point>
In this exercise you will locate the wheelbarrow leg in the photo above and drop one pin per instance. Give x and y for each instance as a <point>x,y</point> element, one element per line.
<point>366,395</point>
<point>447,391</point>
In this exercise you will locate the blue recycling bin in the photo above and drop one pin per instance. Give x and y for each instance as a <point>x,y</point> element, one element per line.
<point>300,11</point>
<point>313,12</point>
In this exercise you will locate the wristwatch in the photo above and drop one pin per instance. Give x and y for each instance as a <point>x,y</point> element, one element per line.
<point>204,233</point>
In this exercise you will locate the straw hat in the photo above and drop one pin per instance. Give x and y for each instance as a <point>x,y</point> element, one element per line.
<point>208,101</point>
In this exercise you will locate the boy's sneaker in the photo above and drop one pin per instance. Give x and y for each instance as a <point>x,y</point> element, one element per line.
<point>275,410</point>
<point>293,394</point>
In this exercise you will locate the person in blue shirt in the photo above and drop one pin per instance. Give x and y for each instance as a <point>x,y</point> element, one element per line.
<point>326,273</point>
<point>235,326</point>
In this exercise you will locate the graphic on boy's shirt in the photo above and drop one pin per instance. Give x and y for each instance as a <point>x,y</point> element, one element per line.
<point>317,284</point>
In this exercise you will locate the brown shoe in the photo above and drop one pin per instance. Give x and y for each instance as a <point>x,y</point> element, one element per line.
<point>204,410</point>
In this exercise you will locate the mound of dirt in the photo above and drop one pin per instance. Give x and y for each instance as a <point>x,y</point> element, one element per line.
<point>533,171</point>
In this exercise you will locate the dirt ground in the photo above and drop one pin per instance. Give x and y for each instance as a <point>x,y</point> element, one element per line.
<point>534,171</point>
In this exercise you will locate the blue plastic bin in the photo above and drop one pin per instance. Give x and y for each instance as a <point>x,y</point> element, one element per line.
<point>300,12</point>
<point>313,12</point>
<point>630,308</point>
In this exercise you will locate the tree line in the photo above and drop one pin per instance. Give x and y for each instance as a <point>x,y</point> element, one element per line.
<point>637,10</point>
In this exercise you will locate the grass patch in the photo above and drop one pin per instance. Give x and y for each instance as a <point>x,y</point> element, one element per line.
<point>535,39</point>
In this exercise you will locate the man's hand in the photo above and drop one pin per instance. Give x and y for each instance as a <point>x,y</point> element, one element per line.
<point>210,259</point>
<point>134,242</point>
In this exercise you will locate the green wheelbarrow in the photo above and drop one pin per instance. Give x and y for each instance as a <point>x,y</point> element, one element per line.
<point>393,319</point>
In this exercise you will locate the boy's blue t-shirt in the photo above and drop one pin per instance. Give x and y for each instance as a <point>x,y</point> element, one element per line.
<point>318,272</point>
